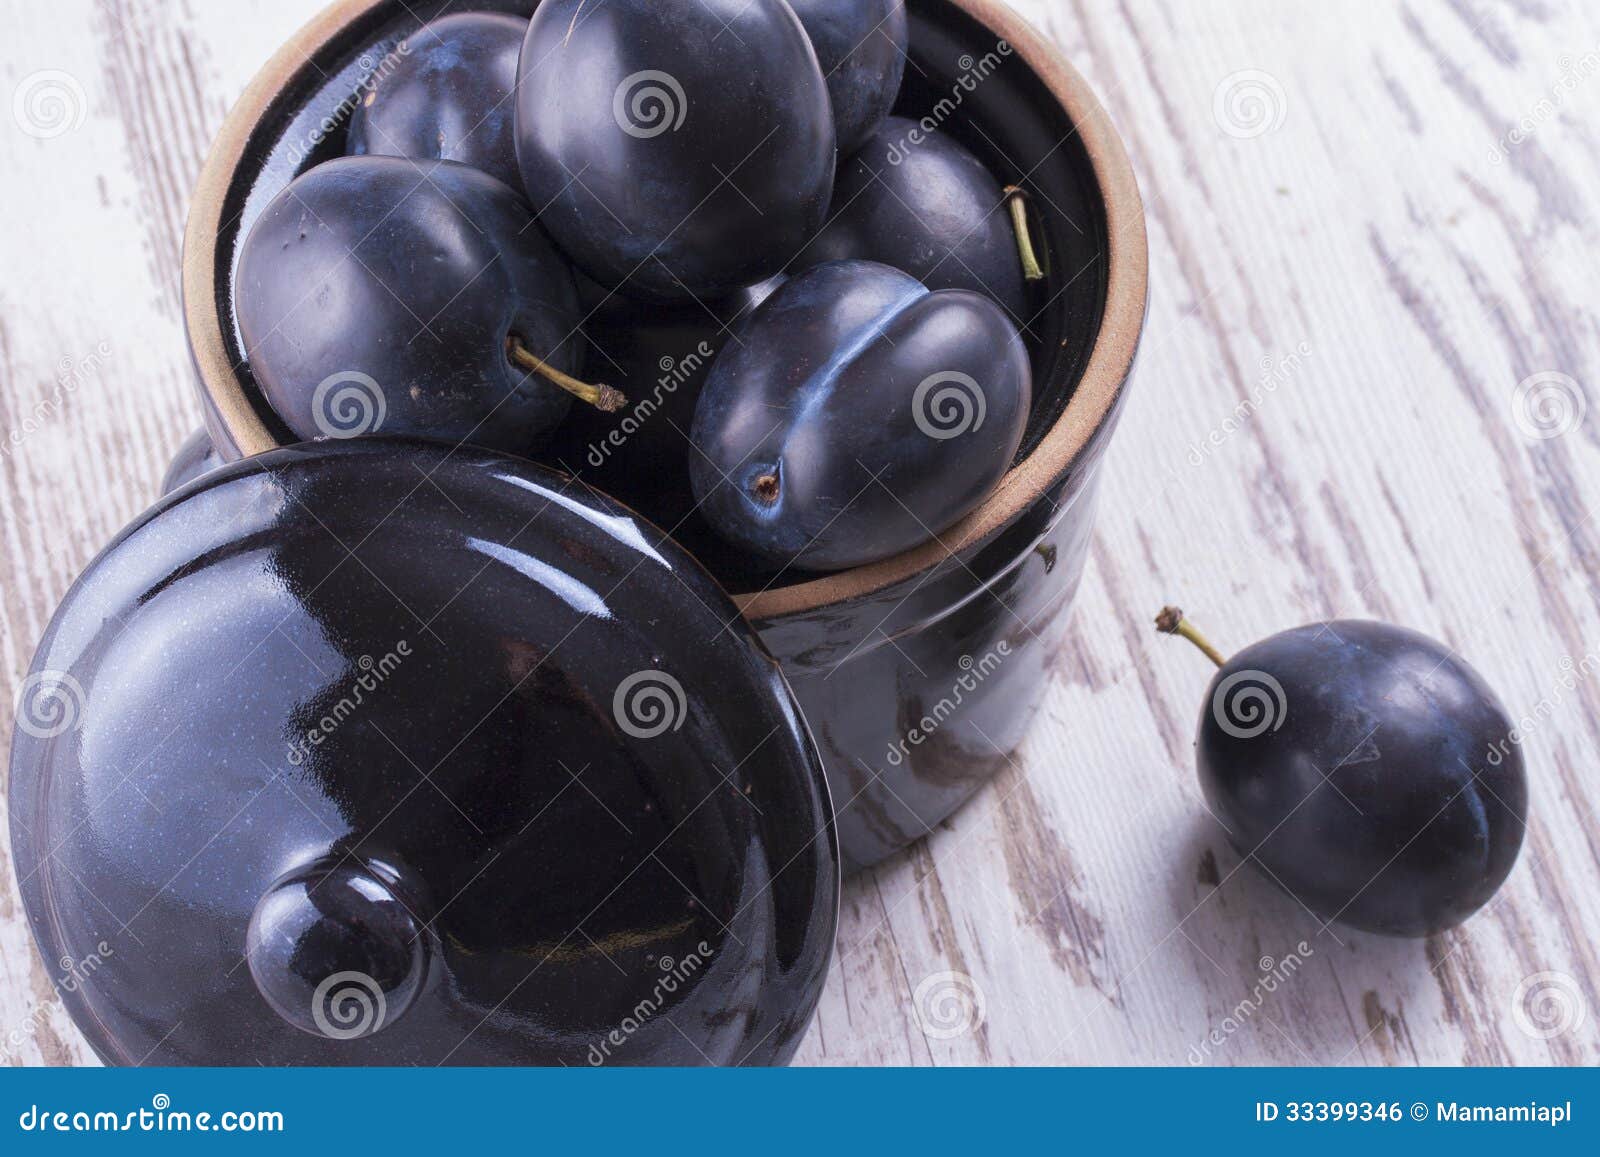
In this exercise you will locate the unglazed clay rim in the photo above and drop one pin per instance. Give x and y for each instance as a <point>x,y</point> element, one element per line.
<point>1092,402</point>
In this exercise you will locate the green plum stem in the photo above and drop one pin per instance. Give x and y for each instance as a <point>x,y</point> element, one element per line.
<point>603,398</point>
<point>1017,200</point>
<point>1171,622</point>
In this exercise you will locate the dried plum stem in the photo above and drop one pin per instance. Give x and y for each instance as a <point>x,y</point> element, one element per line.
<point>1017,201</point>
<point>1171,621</point>
<point>603,398</point>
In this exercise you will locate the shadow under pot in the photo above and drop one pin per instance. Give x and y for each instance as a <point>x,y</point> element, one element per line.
<point>918,675</point>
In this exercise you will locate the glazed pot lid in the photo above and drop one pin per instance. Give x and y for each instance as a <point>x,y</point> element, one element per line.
<point>384,752</point>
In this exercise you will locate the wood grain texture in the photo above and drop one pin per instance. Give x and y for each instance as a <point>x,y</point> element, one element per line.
<point>1369,224</point>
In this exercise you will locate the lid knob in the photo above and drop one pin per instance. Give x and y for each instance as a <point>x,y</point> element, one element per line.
<point>335,951</point>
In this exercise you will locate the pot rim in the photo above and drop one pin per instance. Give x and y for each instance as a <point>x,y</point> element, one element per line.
<point>1092,405</point>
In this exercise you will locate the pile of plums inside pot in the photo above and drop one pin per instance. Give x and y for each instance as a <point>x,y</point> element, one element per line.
<point>520,201</point>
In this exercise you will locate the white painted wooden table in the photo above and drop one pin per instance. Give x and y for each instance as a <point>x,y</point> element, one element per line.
<point>1369,223</point>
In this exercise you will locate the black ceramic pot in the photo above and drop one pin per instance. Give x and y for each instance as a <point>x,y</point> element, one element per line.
<point>389,752</point>
<point>918,674</point>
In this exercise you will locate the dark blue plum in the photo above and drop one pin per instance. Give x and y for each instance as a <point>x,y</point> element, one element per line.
<point>922,203</point>
<point>675,150</point>
<point>448,96</point>
<point>861,46</point>
<point>374,295</point>
<point>1369,770</point>
<point>196,457</point>
<point>857,415</point>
